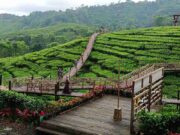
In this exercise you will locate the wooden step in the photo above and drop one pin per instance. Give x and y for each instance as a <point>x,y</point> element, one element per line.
<point>65,129</point>
<point>44,131</point>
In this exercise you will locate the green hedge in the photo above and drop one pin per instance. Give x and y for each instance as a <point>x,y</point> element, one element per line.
<point>10,99</point>
<point>159,123</point>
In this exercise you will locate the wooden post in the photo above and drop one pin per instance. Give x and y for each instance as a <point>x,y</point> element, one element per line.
<point>27,87</point>
<point>149,93</point>
<point>105,84</point>
<point>94,85</point>
<point>32,77</point>
<point>56,90</point>
<point>132,111</point>
<point>0,79</point>
<point>10,85</point>
<point>178,98</point>
<point>118,110</point>
<point>162,86</point>
<point>142,83</point>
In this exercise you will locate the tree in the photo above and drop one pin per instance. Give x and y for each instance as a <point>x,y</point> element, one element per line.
<point>161,21</point>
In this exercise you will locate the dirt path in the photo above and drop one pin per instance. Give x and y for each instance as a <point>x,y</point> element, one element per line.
<point>83,58</point>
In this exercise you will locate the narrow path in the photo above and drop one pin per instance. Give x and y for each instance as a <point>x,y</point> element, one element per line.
<point>82,59</point>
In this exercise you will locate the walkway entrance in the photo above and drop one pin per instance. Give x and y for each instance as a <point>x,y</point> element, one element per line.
<point>93,118</point>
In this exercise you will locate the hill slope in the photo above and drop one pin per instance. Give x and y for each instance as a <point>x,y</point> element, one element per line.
<point>23,41</point>
<point>114,16</point>
<point>133,48</point>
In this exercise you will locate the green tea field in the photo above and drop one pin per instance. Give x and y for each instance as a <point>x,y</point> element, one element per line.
<point>130,49</point>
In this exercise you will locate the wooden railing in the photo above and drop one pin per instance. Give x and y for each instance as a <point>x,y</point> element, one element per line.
<point>126,82</point>
<point>168,66</point>
<point>82,59</point>
<point>146,92</point>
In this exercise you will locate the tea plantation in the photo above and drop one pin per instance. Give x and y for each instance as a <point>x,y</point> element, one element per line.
<point>130,49</point>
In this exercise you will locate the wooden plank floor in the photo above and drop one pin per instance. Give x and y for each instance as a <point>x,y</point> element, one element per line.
<point>95,117</point>
<point>171,101</point>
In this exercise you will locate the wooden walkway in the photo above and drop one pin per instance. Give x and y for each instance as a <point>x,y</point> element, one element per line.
<point>92,118</point>
<point>59,93</point>
<point>175,70</point>
<point>171,101</point>
<point>82,59</point>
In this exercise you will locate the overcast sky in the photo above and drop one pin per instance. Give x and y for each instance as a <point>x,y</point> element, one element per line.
<point>24,7</point>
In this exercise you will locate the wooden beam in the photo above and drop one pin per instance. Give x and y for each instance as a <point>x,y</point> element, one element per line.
<point>132,111</point>
<point>1,79</point>
<point>171,101</point>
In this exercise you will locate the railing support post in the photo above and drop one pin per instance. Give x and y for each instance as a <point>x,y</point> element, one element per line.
<point>149,93</point>
<point>132,111</point>
<point>0,79</point>
<point>10,85</point>
<point>56,90</point>
<point>178,98</point>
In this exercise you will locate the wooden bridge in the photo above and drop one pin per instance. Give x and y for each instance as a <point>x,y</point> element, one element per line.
<point>82,59</point>
<point>169,67</point>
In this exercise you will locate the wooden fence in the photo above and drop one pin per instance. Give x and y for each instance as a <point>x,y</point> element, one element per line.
<point>168,66</point>
<point>126,82</point>
<point>146,92</point>
<point>47,86</point>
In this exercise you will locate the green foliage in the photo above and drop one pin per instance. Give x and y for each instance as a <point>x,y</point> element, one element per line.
<point>162,21</point>
<point>114,16</point>
<point>12,48</point>
<point>158,123</point>
<point>14,99</point>
<point>172,85</point>
<point>128,49</point>
<point>24,41</point>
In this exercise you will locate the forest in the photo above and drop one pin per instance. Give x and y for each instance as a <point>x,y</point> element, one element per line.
<point>115,16</point>
<point>26,41</point>
<point>23,34</point>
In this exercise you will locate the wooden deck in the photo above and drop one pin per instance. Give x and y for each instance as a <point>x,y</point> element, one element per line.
<point>171,101</point>
<point>92,118</point>
<point>172,70</point>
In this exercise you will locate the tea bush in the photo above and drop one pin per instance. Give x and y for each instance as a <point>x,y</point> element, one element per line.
<point>22,101</point>
<point>159,123</point>
<point>133,48</point>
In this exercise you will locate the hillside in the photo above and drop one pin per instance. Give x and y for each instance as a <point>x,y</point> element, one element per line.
<point>114,16</point>
<point>133,48</point>
<point>30,40</point>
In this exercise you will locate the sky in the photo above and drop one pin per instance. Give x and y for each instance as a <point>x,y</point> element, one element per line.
<point>25,7</point>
